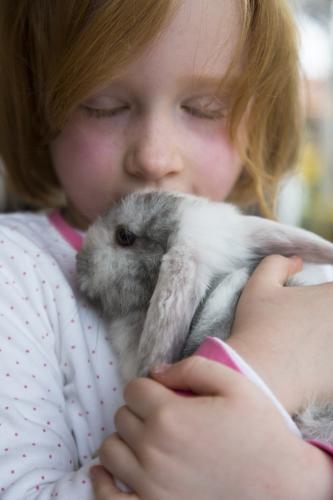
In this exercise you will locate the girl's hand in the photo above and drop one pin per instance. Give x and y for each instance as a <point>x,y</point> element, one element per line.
<point>285,333</point>
<point>229,442</point>
<point>104,487</point>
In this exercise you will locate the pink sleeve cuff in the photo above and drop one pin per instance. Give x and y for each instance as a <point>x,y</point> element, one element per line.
<point>323,446</point>
<point>217,350</point>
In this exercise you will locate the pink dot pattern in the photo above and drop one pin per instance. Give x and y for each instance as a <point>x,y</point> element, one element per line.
<point>59,382</point>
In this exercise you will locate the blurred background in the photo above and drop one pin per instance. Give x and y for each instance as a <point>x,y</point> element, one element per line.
<point>306,198</point>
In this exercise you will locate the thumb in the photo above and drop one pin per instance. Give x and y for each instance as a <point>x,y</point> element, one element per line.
<point>198,375</point>
<point>274,270</point>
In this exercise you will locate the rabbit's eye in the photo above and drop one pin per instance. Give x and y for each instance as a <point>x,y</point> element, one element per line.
<point>124,236</point>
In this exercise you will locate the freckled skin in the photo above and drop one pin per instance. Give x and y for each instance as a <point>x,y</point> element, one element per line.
<point>167,129</point>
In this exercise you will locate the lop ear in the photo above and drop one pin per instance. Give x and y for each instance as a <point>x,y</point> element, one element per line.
<point>266,237</point>
<point>181,284</point>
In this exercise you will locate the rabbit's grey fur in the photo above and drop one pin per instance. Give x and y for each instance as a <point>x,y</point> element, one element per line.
<point>181,278</point>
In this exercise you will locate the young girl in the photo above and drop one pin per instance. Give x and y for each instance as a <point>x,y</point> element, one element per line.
<point>100,98</point>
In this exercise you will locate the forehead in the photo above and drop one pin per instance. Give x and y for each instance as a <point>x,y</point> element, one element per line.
<point>200,40</point>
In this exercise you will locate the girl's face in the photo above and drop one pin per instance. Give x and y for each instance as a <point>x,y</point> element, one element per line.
<point>159,124</point>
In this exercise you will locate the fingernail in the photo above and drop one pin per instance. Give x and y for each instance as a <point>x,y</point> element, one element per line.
<point>160,369</point>
<point>296,261</point>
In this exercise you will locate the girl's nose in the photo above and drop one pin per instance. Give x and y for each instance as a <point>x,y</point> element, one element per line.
<point>154,153</point>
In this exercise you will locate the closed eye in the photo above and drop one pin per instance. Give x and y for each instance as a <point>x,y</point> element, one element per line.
<point>206,114</point>
<point>103,113</point>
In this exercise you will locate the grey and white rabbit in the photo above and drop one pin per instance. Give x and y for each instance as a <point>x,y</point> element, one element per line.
<point>166,269</point>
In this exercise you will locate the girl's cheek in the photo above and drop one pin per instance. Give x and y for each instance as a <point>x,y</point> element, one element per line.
<point>91,140</point>
<point>218,165</point>
<point>83,148</point>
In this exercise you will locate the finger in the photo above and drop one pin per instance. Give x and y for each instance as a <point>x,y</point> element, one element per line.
<point>274,270</point>
<point>120,461</point>
<point>143,396</point>
<point>104,487</point>
<point>129,427</point>
<point>199,375</point>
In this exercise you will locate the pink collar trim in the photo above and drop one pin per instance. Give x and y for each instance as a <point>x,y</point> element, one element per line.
<point>212,348</point>
<point>69,233</point>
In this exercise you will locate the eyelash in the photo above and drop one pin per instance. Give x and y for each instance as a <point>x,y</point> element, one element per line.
<point>197,113</point>
<point>103,113</point>
<point>208,115</point>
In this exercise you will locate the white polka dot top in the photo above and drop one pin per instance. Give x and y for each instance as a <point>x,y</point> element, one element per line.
<point>59,387</point>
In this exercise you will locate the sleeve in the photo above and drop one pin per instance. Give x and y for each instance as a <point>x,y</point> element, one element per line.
<point>38,452</point>
<point>217,350</point>
<point>327,448</point>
